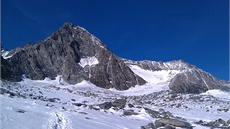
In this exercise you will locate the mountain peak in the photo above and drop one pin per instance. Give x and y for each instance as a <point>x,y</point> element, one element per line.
<point>78,55</point>
<point>72,27</point>
<point>68,25</point>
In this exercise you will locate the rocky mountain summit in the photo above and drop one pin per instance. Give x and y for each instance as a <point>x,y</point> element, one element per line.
<point>77,55</point>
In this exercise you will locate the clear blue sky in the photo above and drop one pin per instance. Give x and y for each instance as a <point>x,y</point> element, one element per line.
<point>196,31</point>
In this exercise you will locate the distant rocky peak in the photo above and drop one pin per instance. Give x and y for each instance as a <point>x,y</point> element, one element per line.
<point>178,64</point>
<point>159,65</point>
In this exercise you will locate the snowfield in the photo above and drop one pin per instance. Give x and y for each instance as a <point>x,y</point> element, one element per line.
<point>88,61</point>
<point>154,77</point>
<point>55,104</point>
<point>27,113</point>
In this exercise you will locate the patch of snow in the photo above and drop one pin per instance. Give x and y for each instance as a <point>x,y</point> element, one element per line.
<point>143,90</point>
<point>157,81</point>
<point>84,83</point>
<point>88,61</point>
<point>218,94</point>
<point>154,77</point>
<point>5,54</point>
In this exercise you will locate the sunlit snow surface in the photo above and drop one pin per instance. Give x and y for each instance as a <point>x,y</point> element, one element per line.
<point>38,115</point>
<point>19,112</point>
<point>218,94</point>
<point>156,81</point>
<point>88,61</point>
<point>5,55</point>
<point>154,77</point>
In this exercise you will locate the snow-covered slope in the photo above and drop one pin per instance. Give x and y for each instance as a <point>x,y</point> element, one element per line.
<point>156,80</point>
<point>54,104</point>
<point>154,77</point>
<point>178,75</point>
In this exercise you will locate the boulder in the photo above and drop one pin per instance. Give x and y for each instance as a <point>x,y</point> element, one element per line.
<point>172,122</point>
<point>79,104</point>
<point>119,103</point>
<point>130,105</point>
<point>228,122</point>
<point>129,112</point>
<point>105,105</point>
<point>152,113</point>
<point>149,126</point>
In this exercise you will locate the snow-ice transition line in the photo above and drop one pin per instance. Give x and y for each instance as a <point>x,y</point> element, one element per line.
<point>58,120</point>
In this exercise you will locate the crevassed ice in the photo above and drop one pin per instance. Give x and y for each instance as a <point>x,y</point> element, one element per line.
<point>88,61</point>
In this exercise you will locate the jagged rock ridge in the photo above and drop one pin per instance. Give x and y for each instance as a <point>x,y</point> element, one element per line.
<point>62,54</point>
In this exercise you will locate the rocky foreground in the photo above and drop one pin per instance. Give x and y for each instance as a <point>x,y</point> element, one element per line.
<point>164,109</point>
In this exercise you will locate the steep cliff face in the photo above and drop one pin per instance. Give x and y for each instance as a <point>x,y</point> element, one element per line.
<point>77,55</point>
<point>7,72</point>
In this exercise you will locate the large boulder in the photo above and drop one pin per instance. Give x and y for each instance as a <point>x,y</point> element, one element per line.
<point>172,122</point>
<point>119,103</point>
<point>105,105</point>
<point>129,112</point>
<point>152,113</point>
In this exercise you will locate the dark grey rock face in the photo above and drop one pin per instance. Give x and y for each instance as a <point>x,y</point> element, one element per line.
<point>7,72</point>
<point>194,81</point>
<point>61,54</point>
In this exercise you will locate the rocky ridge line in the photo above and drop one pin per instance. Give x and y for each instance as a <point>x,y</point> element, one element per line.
<point>61,54</point>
